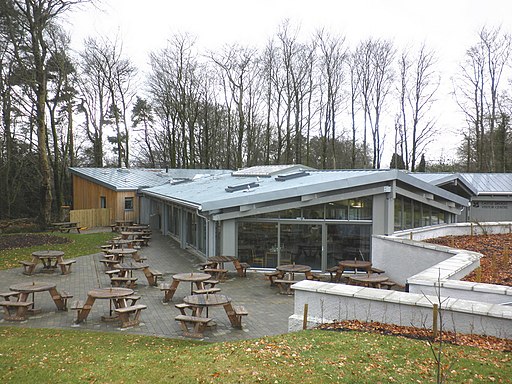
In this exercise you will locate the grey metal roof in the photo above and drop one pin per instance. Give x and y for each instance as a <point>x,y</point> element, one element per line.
<point>440,179</point>
<point>268,170</point>
<point>129,179</point>
<point>209,193</point>
<point>478,183</point>
<point>490,183</point>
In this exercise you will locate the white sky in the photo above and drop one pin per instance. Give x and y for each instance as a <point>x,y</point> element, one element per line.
<point>447,26</point>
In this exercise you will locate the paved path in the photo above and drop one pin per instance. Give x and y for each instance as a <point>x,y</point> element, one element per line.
<point>268,310</point>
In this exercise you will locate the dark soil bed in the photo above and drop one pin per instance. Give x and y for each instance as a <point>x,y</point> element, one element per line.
<point>487,342</point>
<point>495,266</point>
<point>29,240</point>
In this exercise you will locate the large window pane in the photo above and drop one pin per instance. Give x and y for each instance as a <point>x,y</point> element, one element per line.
<point>301,244</point>
<point>256,241</point>
<point>347,242</point>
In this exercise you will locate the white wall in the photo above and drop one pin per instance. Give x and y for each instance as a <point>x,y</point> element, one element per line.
<point>402,258</point>
<point>329,302</point>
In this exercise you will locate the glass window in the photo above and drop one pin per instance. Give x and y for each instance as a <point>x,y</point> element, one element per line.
<point>348,242</point>
<point>407,222</point>
<point>425,218</point>
<point>360,209</point>
<point>417,214</point>
<point>128,203</point>
<point>256,241</point>
<point>301,244</point>
<point>398,214</point>
<point>337,210</point>
<point>313,212</point>
<point>103,202</point>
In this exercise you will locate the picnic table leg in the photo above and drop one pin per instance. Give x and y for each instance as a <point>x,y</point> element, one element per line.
<point>84,312</point>
<point>149,276</point>
<point>233,318</point>
<point>57,298</point>
<point>169,293</point>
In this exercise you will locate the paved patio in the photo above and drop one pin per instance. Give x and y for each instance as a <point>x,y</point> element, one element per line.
<point>268,310</point>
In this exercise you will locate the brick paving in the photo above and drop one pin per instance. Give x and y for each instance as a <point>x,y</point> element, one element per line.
<point>268,310</point>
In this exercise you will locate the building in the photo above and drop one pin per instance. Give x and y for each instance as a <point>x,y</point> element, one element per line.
<point>119,189</point>
<point>490,194</point>
<point>271,215</point>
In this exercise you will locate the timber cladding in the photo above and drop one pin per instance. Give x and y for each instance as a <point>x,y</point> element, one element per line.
<point>87,195</point>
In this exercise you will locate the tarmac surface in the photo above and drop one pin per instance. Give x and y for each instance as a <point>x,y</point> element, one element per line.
<point>268,310</point>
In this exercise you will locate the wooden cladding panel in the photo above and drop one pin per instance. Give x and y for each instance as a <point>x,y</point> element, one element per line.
<point>100,217</point>
<point>87,195</point>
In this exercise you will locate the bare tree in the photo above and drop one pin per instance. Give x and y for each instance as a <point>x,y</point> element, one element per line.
<point>478,94</point>
<point>419,83</point>
<point>332,61</point>
<point>238,65</point>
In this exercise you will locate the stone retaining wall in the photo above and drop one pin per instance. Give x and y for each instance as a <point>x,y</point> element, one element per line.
<point>328,302</point>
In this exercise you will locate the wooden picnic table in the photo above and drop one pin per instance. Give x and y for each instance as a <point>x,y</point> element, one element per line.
<point>196,278</point>
<point>66,226</point>
<point>220,260</point>
<point>117,296</point>
<point>292,269</point>
<point>120,253</point>
<point>355,265</point>
<point>370,280</point>
<point>28,288</point>
<point>50,260</point>
<point>128,268</point>
<point>204,301</point>
<point>286,276</point>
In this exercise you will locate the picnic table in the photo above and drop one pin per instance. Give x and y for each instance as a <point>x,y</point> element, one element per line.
<point>286,276</point>
<point>355,265</point>
<point>128,268</point>
<point>120,253</point>
<point>199,317</point>
<point>50,260</point>
<point>218,262</point>
<point>118,306</point>
<point>66,226</point>
<point>196,278</point>
<point>370,280</point>
<point>30,288</point>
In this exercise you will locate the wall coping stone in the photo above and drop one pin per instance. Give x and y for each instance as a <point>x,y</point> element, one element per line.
<point>406,298</point>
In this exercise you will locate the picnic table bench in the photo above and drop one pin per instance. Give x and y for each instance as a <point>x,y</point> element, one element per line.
<point>130,316</point>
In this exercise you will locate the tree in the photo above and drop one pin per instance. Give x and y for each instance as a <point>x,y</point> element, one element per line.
<point>479,97</point>
<point>397,162</point>
<point>331,60</point>
<point>418,86</point>
<point>142,114</point>
<point>30,50</point>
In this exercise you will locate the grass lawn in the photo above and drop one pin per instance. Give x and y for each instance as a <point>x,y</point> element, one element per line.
<point>68,356</point>
<point>80,245</point>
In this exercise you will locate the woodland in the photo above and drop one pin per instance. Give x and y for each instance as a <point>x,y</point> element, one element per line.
<point>313,101</point>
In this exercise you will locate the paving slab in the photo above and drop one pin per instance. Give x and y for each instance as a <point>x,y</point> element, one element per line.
<point>268,310</point>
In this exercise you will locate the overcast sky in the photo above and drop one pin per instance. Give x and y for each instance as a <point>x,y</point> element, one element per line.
<point>447,26</point>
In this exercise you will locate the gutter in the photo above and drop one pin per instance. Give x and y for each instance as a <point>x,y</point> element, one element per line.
<point>198,207</point>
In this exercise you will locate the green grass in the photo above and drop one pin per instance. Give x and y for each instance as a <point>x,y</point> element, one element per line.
<point>80,245</point>
<point>67,356</point>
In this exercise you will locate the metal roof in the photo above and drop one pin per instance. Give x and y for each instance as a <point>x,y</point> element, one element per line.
<point>269,170</point>
<point>477,183</point>
<point>129,179</point>
<point>441,179</point>
<point>209,193</point>
<point>490,183</point>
